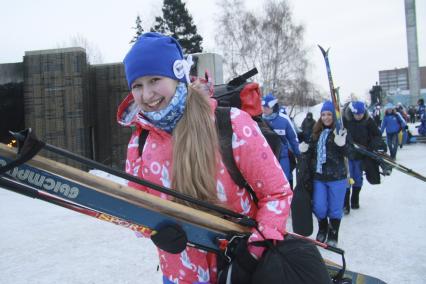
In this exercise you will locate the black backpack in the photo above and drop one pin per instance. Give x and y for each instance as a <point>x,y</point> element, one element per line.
<point>243,95</point>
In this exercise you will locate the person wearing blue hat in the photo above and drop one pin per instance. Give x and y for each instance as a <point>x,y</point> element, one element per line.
<point>283,126</point>
<point>421,113</point>
<point>327,151</point>
<point>393,123</point>
<point>362,130</point>
<point>173,119</point>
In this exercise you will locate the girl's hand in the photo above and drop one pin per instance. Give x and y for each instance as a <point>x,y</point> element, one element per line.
<point>340,138</point>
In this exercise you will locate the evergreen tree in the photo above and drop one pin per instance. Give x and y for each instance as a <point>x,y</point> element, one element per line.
<point>138,28</point>
<point>178,23</point>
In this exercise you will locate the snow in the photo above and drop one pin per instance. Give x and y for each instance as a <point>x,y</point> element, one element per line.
<point>43,243</point>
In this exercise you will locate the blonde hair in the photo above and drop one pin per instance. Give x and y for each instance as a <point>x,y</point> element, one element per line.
<point>195,150</point>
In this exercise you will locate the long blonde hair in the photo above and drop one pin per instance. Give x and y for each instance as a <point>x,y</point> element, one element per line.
<point>195,150</point>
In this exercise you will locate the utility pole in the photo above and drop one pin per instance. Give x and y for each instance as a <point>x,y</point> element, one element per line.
<point>413,53</point>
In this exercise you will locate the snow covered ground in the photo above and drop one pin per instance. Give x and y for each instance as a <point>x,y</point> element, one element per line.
<point>43,243</point>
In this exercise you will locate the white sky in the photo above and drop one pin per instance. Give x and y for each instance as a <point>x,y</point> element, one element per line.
<point>364,36</point>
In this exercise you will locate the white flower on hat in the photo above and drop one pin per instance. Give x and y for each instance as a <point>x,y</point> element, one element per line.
<point>182,67</point>
<point>352,108</point>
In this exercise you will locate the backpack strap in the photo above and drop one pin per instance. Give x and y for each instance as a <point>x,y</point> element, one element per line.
<point>224,128</point>
<point>142,140</point>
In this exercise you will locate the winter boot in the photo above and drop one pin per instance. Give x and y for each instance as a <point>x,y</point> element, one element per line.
<point>355,197</point>
<point>322,230</point>
<point>346,207</point>
<point>333,232</point>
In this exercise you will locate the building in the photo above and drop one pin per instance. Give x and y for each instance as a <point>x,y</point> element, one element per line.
<point>395,84</point>
<point>67,102</point>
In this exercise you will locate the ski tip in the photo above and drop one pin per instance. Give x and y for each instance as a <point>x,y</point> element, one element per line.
<point>324,52</point>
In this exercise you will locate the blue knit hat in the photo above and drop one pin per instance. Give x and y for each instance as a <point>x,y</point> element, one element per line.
<point>327,106</point>
<point>357,107</point>
<point>154,54</point>
<point>269,100</point>
<point>389,106</point>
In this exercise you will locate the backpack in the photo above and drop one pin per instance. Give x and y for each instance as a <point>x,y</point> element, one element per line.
<point>246,96</point>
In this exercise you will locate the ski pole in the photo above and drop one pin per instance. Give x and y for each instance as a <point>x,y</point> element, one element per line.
<point>382,158</point>
<point>315,242</point>
<point>28,137</point>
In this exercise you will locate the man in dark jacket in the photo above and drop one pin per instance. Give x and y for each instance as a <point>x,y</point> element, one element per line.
<point>307,127</point>
<point>362,130</point>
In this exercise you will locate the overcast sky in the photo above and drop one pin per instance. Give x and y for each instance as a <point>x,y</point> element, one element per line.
<point>365,36</point>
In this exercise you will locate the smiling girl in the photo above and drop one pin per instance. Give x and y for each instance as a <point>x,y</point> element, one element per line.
<point>182,152</point>
<point>327,152</point>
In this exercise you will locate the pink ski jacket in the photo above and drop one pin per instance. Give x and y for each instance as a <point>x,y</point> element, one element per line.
<point>257,164</point>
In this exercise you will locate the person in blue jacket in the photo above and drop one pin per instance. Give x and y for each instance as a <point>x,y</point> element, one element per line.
<point>422,117</point>
<point>362,130</point>
<point>326,152</point>
<point>283,126</point>
<point>421,109</point>
<point>392,123</point>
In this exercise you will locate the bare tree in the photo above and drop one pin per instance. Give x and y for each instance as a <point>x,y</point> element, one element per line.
<point>93,54</point>
<point>268,40</point>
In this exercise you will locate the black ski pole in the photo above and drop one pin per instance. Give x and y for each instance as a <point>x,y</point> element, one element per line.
<point>28,136</point>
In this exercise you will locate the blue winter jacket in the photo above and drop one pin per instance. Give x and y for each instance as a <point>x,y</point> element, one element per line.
<point>393,123</point>
<point>421,112</point>
<point>283,126</point>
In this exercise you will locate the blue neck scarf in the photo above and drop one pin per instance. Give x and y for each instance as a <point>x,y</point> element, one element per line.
<point>271,116</point>
<point>322,150</point>
<point>167,118</point>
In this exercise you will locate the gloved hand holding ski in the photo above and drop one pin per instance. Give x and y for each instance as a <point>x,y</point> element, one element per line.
<point>340,137</point>
<point>303,147</point>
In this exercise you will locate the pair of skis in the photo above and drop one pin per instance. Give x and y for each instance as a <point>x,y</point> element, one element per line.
<point>68,187</point>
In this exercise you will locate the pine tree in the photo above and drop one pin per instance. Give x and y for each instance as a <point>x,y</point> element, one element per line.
<point>138,28</point>
<point>178,23</point>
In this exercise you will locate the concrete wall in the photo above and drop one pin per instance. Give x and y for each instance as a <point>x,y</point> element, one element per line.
<point>109,88</point>
<point>56,98</point>
<point>11,73</point>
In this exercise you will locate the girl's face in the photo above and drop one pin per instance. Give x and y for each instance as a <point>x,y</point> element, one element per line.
<point>327,118</point>
<point>267,110</point>
<point>358,116</point>
<point>153,93</point>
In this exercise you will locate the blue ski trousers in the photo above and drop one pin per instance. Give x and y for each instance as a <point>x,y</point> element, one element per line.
<point>355,170</point>
<point>328,198</point>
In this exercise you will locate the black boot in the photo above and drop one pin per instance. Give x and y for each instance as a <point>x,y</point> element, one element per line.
<point>355,197</point>
<point>346,207</point>
<point>322,230</point>
<point>333,232</point>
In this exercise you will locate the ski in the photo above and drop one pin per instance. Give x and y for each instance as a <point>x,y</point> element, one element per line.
<point>144,209</point>
<point>29,191</point>
<point>385,159</point>
<point>105,200</point>
<point>334,92</point>
<point>350,277</point>
<point>335,270</point>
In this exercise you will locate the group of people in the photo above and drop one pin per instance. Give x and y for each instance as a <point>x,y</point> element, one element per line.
<point>182,151</point>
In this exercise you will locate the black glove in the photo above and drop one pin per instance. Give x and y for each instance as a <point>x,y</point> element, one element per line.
<point>241,269</point>
<point>170,238</point>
